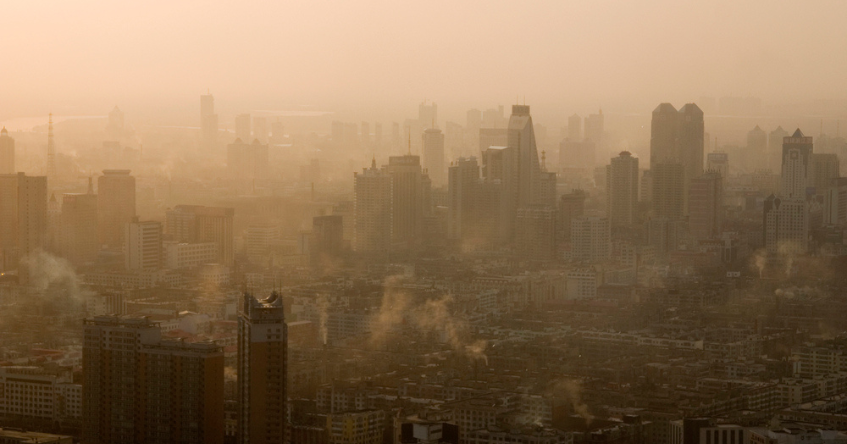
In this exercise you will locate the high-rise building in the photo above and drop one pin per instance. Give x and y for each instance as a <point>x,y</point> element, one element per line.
<point>327,243</point>
<point>595,126</point>
<point>7,153</point>
<point>775,139</point>
<point>489,137</point>
<point>668,180</point>
<point>590,238</point>
<point>372,209</point>
<point>51,151</point>
<point>500,171</point>
<point>407,194</point>
<point>247,160</point>
<point>825,168</point>
<point>575,127</point>
<point>80,241</point>
<point>535,237</point>
<point>577,154</point>
<point>242,128</point>
<point>676,137</point>
<point>433,156</point>
<point>138,388</point>
<point>143,250</point>
<point>462,197</point>
<point>115,206</point>
<point>208,120</point>
<point>260,129</point>
<point>115,126</point>
<point>571,205</point>
<point>428,115</point>
<point>622,190</point>
<point>706,212</point>
<point>23,220</point>
<point>796,166</point>
<point>521,138</point>
<point>757,143</point>
<point>835,203</point>
<point>199,224</point>
<point>262,370</point>
<point>786,225</point>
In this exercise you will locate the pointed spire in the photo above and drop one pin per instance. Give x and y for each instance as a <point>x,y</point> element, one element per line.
<point>373,162</point>
<point>4,132</point>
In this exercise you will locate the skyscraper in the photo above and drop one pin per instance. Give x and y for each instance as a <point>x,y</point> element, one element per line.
<point>80,236</point>
<point>622,189</point>
<point>535,237</point>
<point>143,250</point>
<point>824,171</point>
<point>774,158</point>
<point>706,205</point>
<point>407,195</point>
<point>575,128</point>
<point>796,166</point>
<point>428,115</point>
<point>521,138</point>
<point>590,238</point>
<point>676,138</point>
<point>51,151</point>
<point>262,370</point>
<point>23,219</point>
<point>462,198</point>
<point>138,388</point>
<point>7,153</point>
<point>242,128</point>
<point>757,143</point>
<point>571,205</point>
<point>327,243</point>
<point>595,126</point>
<point>372,202</point>
<point>115,206</point>
<point>208,121</point>
<point>719,163</point>
<point>247,160</point>
<point>199,224</point>
<point>433,156</point>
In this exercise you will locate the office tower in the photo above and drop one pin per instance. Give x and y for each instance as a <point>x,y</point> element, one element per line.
<point>138,388</point>
<point>595,126</point>
<point>786,225</point>
<point>23,220</point>
<point>365,137</point>
<point>372,202</point>
<point>262,370</point>
<point>645,187</point>
<point>622,190</point>
<point>462,197</point>
<point>774,158</point>
<point>80,237</point>
<point>575,127</point>
<point>208,121</point>
<point>407,195</point>
<point>521,138</point>
<point>454,140</point>
<point>719,163</point>
<point>824,171</point>
<point>489,137</point>
<point>757,144</point>
<point>260,129</point>
<point>835,203</point>
<point>494,118</point>
<point>668,183</point>
<point>500,167</point>
<point>665,235</point>
<point>247,160</point>
<point>199,224</point>
<point>242,128</point>
<point>535,237</point>
<point>433,156</point>
<point>576,154</point>
<point>571,205</point>
<point>277,132</point>
<point>327,243</point>
<point>590,238</point>
<point>115,206</point>
<point>428,115</point>
<point>676,137</point>
<point>796,166</point>
<point>7,153</point>
<point>706,213</point>
<point>143,250</point>
<point>51,151</point>
<point>115,125</point>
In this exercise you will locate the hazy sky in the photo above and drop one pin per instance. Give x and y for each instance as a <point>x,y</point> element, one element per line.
<point>85,56</point>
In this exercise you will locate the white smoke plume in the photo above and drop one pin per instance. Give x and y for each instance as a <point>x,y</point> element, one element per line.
<point>46,271</point>
<point>571,389</point>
